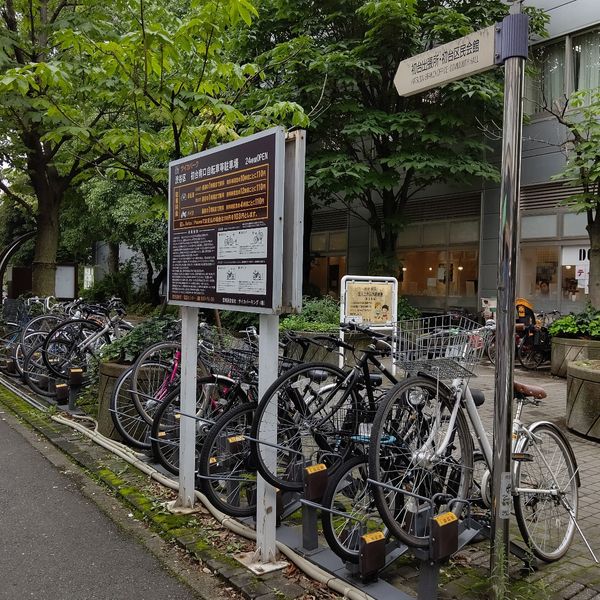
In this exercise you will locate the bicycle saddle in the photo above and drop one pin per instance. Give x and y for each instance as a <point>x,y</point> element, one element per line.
<point>534,391</point>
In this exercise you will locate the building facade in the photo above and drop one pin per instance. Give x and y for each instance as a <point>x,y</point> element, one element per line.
<point>449,251</point>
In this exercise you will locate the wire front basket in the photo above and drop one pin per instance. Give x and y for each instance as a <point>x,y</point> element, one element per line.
<point>446,346</point>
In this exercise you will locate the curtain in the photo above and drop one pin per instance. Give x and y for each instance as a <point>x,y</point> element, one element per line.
<point>587,61</point>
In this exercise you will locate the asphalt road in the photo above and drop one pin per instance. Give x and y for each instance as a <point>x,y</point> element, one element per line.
<point>55,544</point>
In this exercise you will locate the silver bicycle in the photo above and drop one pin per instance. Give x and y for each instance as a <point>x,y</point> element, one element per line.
<point>422,448</point>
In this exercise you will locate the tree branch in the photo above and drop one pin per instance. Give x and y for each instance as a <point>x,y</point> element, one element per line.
<point>17,199</point>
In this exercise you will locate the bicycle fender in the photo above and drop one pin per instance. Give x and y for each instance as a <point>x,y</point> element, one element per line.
<point>559,432</point>
<point>440,384</point>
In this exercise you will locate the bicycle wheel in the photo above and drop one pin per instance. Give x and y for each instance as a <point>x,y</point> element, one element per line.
<point>36,374</point>
<point>134,430</point>
<point>39,327</point>
<point>546,492</point>
<point>414,449</point>
<point>529,355</point>
<point>72,344</point>
<point>349,493</point>
<point>226,470</point>
<point>215,395</point>
<point>315,417</point>
<point>8,349</point>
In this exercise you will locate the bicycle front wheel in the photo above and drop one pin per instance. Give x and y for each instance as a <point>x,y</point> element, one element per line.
<point>529,355</point>
<point>311,409</point>
<point>226,471</point>
<point>546,492</point>
<point>419,450</point>
<point>348,493</point>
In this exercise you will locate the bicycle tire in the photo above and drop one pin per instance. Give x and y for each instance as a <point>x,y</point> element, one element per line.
<point>164,434</point>
<point>309,424</point>
<point>552,464</point>
<point>349,492</point>
<point>406,418</point>
<point>153,378</point>
<point>61,350</point>
<point>8,348</point>
<point>529,356</point>
<point>36,374</point>
<point>134,430</point>
<point>42,325</point>
<point>235,496</point>
<point>490,349</point>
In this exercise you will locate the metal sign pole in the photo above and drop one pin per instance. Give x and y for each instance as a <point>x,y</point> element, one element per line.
<point>187,430</point>
<point>512,50</point>
<point>268,350</point>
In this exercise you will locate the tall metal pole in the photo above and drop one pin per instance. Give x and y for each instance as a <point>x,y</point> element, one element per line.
<point>514,66</point>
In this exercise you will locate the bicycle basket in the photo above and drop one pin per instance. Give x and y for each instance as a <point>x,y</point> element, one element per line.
<point>446,346</point>
<point>226,354</point>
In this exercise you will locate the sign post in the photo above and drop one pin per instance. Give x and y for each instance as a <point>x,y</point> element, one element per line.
<point>505,43</point>
<point>226,231</point>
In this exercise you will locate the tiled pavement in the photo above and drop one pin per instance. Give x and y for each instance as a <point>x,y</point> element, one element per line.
<point>576,575</point>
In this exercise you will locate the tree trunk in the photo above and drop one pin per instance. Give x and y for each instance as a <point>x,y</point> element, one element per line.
<point>594,281</point>
<point>46,246</point>
<point>113,258</point>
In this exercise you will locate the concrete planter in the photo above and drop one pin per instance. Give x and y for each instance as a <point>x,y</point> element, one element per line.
<point>566,350</point>
<point>109,373</point>
<point>583,397</point>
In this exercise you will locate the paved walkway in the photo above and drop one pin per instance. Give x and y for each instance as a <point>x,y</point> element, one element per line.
<point>56,544</point>
<point>576,575</point>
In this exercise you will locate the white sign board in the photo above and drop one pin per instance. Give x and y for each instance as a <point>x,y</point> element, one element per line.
<point>468,55</point>
<point>370,301</point>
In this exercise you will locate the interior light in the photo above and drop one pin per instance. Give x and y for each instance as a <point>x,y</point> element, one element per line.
<point>404,268</point>
<point>460,268</point>
<point>431,268</point>
<point>568,267</point>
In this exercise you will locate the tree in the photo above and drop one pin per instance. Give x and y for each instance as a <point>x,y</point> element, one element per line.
<point>580,115</point>
<point>124,86</point>
<point>44,88</point>
<point>370,150</point>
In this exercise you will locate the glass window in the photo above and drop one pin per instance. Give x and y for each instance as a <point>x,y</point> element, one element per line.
<point>574,224</point>
<point>435,234</point>
<point>539,276</point>
<point>538,226</point>
<point>464,231</point>
<point>410,236</point>
<point>586,60</point>
<point>338,240</point>
<point>463,271</point>
<point>547,83</point>
<point>318,242</point>
<point>423,273</point>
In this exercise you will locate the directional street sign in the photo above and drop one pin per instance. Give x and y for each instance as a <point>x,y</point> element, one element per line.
<point>468,55</point>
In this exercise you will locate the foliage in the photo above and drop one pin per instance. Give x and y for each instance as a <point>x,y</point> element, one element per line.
<point>406,310</point>
<point>112,284</point>
<point>585,325</point>
<point>371,150</point>
<point>583,169</point>
<point>318,314</point>
<point>236,320</point>
<point>150,331</point>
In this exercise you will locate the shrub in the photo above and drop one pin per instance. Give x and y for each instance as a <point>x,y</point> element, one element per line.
<point>318,314</point>
<point>584,325</point>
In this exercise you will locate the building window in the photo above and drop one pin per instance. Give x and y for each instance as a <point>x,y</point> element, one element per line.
<point>328,261</point>
<point>586,61</point>
<point>547,85</point>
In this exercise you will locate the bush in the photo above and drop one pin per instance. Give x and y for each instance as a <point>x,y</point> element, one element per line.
<point>118,284</point>
<point>406,310</point>
<point>318,314</point>
<point>585,325</point>
<point>150,331</point>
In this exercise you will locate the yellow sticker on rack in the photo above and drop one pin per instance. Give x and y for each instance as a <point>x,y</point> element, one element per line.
<point>316,468</point>
<point>212,460</point>
<point>235,439</point>
<point>445,519</point>
<point>373,537</point>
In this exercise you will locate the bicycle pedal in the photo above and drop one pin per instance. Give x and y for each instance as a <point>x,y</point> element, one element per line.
<point>522,457</point>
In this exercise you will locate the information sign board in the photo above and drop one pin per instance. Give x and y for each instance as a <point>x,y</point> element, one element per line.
<point>468,55</point>
<point>226,225</point>
<point>370,301</point>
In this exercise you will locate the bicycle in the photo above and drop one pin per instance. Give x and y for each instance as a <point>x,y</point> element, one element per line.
<point>422,445</point>
<point>535,347</point>
<point>319,411</point>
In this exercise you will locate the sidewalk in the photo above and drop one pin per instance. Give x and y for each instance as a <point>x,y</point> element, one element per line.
<point>575,576</point>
